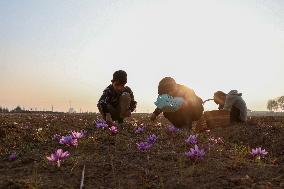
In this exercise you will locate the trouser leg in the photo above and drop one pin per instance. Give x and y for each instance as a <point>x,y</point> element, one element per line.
<point>235,114</point>
<point>121,111</point>
<point>197,109</point>
<point>124,105</point>
<point>114,112</point>
<point>181,118</point>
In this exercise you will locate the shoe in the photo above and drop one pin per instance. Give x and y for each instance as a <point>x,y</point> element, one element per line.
<point>121,125</point>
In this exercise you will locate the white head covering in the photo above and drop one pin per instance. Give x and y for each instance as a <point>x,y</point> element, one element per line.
<point>234,92</point>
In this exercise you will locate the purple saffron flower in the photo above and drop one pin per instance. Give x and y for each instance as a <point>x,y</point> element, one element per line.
<point>195,153</point>
<point>113,130</point>
<point>101,124</point>
<point>58,156</point>
<point>13,156</point>
<point>192,139</point>
<point>56,137</point>
<point>152,139</point>
<point>258,152</point>
<point>173,129</point>
<point>143,146</point>
<point>68,140</point>
<point>77,135</point>
<point>139,130</point>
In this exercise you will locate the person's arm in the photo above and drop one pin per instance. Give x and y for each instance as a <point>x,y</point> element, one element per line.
<point>155,114</point>
<point>104,101</point>
<point>133,103</point>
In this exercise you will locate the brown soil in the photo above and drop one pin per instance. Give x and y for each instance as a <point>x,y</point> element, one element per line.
<point>115,162</point>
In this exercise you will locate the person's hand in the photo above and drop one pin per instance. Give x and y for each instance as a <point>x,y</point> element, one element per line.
<point>153,117</point>
<point>108,117</point>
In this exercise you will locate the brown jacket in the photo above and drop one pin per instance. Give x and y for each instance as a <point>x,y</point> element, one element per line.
<point>192,104</point>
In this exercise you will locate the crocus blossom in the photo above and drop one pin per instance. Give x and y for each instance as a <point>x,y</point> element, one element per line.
<point>258,152</point>
<point>68,140</point>
<point>77,135</point>
<point>152,139</point>
<point>113,130</point>
<point>173,129</point>
<point>143,146</point>
<point>101,124</point>
<point>58,156</point>
<point>195,153</point>
<point>139,130</point>
<point>192,139</point>
<point>56,137</point>
<point>13,156</point>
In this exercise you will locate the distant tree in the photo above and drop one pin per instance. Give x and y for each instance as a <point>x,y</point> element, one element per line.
<point>5,110</point>
<point>18,109</point>
<point>280,102</point>
<point>272,105</point>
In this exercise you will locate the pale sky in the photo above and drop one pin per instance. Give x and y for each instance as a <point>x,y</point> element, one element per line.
<point>56,51</point>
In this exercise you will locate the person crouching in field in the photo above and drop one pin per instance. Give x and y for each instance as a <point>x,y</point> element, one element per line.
<point>117,100</point>
<point>190,110</point>
<point>232,102</point>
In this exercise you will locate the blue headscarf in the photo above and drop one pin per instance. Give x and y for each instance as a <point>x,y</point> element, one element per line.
<point>167,103</point>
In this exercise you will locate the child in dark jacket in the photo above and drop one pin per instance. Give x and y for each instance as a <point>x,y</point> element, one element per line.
<point>191,108</point>
<point>117,101</point>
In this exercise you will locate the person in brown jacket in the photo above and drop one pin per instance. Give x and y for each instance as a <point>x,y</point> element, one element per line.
<point>190,110</point>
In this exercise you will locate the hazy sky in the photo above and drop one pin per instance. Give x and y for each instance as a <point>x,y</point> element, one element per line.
<point>56,51</point>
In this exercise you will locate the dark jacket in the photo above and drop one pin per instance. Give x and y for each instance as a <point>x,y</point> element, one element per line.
<point>234,101</point>
<point>111,97</point>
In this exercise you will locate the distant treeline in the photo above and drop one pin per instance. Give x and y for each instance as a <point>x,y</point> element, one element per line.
<point>276,104</point>
<point>266,113</point>
<point>4,110</point>
<point>18,109</point>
